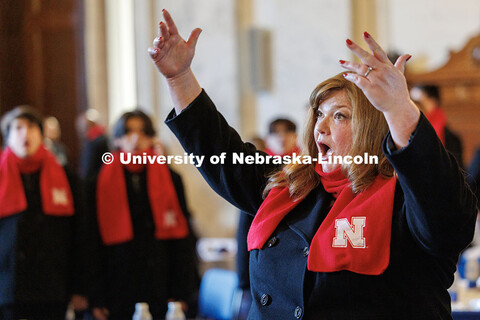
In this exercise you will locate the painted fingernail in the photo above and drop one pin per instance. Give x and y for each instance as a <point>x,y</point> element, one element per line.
<point>153,52</point>
<point>345,74</point>
<point>366,34</point>
<point>349,42</point>
<point>341,61</point>
<point>408,58</point>
<point>156,50</point>
<point>163,10</point>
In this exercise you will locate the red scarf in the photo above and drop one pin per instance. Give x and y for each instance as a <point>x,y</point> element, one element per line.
<point>113,211</point>
<point>55,190</point>
<point>362,222</point>
<point>94,132</point>
<point>438,120</point>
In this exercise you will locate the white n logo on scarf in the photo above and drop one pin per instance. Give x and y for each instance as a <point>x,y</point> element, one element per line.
<point>170,219</point>
<point>353,232</point>
<point>59,196</point>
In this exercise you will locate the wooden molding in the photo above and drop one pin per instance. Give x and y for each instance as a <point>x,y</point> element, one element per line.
<point>463,67</point>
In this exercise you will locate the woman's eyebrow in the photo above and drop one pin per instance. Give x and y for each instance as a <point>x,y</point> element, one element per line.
<point>335,107</point>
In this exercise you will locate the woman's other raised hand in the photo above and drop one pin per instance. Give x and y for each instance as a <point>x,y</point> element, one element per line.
<point>385,86</point>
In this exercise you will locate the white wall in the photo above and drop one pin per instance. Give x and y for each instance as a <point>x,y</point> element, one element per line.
<point>428,29</point>
<point>120,57</point>
<point>308,39</point>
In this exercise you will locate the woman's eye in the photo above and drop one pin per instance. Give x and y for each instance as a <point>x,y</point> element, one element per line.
<point>340,116</point>
<point>319,114</point>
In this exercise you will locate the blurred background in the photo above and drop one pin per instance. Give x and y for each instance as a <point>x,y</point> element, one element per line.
<point>257,59</point>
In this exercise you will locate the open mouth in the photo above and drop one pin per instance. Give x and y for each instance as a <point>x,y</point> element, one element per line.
<point>325,150</point>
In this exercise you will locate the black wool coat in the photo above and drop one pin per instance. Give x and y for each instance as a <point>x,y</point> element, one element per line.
<point>144,269</point>
<point>39,253</point>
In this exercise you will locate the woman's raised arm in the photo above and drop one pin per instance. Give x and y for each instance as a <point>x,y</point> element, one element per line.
<point>201,129</point>
<point>439,206</point>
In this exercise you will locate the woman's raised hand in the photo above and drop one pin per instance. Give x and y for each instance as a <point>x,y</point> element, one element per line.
<point>385,86</point>
<point>171,54</point>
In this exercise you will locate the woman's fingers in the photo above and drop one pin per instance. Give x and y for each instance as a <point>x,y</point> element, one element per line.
<point>377,61</point>
<point>193,37</point>
<point>158,42</point>
<point>401,62</point>
<point>377,51</point>
<point>163,31</point>
<point>366,57</point>
<point>153,53</point>
<point>360,81</point>
<point>358,68</point>
<point>172,28</point>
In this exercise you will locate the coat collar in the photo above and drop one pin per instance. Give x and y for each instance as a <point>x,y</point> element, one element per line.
<point>306,218</point>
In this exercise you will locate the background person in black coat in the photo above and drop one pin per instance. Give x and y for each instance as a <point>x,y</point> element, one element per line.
<point>94,143</point>
<point>38,224</point>
<point>428,99</point>
<point>473,176</point>
<point>143,265</point>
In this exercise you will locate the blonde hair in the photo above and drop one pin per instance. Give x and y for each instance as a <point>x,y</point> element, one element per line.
<point>369,129</point>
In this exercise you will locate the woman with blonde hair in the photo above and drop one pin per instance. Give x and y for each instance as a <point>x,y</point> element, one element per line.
<point>369,126</point>
<point>330,240</point>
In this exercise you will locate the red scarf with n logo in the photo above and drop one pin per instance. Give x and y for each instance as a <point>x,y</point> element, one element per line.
<point>113,211</point>
<point>356,233</point>
<point>55,190</point>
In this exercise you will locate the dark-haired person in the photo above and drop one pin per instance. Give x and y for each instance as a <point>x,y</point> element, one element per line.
<point>429,101</point>
<point>329,241</point>
<point>38,223</point>
<point>282,138</point>
<point>145,248</point>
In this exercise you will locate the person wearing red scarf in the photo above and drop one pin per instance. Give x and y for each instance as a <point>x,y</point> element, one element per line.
<point>144,248</point>
<point>94,143</point>
<point>329,241</point>
<point>428,99</point>
<point>38,227</point>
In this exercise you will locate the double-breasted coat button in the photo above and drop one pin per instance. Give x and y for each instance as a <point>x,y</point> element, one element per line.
<point>305,251</point>
<point>298,312</point>
<point>265,299</point>
<point>273,241</point>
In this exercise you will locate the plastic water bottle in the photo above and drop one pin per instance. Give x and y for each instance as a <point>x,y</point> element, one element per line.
<point>142,312</point>
<point>175,311</point>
